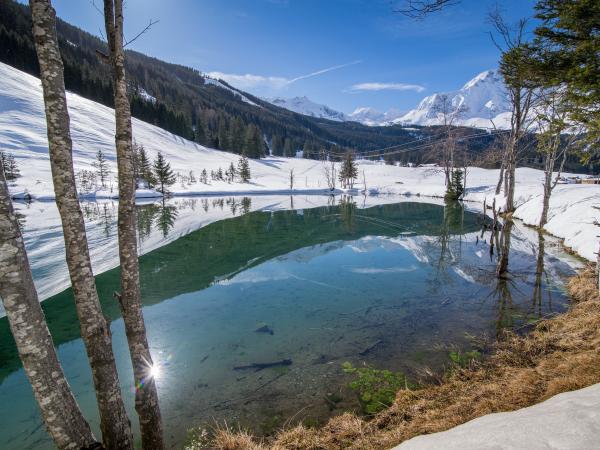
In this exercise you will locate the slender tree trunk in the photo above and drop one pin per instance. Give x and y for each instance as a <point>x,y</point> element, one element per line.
<point>95,331</point>
<point>60,412</point>
<point>146,396</point>
<point>504,249</point>
<point>511,165</point>
<point>501,177</point>
<point>548,170</point>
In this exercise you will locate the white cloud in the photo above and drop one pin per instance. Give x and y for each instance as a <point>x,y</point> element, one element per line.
<point>373,270</point>
<point>251,81</point>
<point>387,87</point>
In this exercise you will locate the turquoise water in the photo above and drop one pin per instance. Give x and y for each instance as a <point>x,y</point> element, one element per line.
<point>397,286</point>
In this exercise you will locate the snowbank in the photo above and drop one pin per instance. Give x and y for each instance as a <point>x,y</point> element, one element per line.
<point>570,420</point>
<point>23,133</point>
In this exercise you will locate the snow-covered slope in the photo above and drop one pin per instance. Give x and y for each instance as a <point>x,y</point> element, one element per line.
<point>303,105</point>
<point>480,100</point>
<point>23,133</point>
<point>220,84</point>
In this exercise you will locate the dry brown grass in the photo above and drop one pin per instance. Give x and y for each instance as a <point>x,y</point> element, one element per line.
<point>561,354</point>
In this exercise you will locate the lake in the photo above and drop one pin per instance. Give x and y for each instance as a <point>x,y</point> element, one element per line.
<point>395,283</point>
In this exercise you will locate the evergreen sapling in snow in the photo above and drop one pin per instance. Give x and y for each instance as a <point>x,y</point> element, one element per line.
<point>101,166</point>
<point>349,171</point>
<point>9,166</point>
<point>163,173</point>
<point>455,188</point>
<point>244,169</point>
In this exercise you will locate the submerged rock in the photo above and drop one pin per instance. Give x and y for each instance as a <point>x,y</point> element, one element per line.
<point>265,329</point>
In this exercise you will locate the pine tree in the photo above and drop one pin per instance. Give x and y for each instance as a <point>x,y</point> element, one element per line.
<point>254,143</point>
<point>223,134</point>
<point>288,148</point>
<point>455,188</point>
<point>200,133</point>
<point>9,166</point>
<point>236,133</point>
<point>244,169</point>
<point>277,145</point>
<point>567,46</point>
<point>219,174</point>
<point>231,173</point>
<point>102,169</point>
<point>145,168</point>
<point>308,150</point>
<point>204,177</point>
<point>163,173</point>
<point>349,171</point>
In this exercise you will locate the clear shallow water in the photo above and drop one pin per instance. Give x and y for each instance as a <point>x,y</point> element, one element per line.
<point>396,286</point>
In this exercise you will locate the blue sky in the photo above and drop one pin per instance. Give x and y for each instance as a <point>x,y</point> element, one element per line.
<point>343,53</point>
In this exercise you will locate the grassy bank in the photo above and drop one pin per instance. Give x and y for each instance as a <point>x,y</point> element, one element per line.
<point>560,354</point>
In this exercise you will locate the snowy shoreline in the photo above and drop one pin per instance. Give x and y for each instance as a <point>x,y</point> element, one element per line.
<point>567,202</point>
<point>571,217</point>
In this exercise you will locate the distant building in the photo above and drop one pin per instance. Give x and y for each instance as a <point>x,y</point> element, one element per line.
<point>591,180</point>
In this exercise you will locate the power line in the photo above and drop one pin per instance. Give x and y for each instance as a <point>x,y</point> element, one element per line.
<point>425,144</point>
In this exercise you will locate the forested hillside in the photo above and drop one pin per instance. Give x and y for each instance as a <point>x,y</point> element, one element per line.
<point>185,102</point>
<point>179,99</point>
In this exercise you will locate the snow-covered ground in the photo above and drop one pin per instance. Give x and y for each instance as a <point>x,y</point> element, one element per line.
<point>570,420</point>
<point>23,133</point>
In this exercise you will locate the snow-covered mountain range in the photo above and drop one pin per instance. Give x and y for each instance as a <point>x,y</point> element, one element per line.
<point>481,101</point>
<point>303,105</point>
<point>372,117</point>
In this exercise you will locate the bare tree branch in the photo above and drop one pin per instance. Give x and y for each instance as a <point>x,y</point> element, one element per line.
<point>150,24</point>
<point>419,9</point>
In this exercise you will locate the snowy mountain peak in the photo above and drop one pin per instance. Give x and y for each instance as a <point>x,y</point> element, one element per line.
<point>303,105</point>
<point>488,76</point>
<point>372,117</point>
<point>482,100</point>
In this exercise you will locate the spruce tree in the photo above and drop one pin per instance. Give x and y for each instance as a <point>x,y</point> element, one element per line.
<point>308,149</point>
<point>277,145</point>
<point>9,166</point>
<point>102,169</point>
<point>244,169</point>
<point>232,172</point>
<point>223,134</point>
<point>163,173</point>
<point>236,133</point>
<point>145,168</point>
<point>567,45</point>
<point>200,133</point>
<point>455,188</point>
<point>349,171</point>
<point>288,148</point>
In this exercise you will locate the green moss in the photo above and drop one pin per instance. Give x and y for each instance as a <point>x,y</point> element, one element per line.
<point>464,359</point>
<point>376,388</point>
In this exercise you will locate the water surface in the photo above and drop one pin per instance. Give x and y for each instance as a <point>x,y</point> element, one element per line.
<point>396,286</point>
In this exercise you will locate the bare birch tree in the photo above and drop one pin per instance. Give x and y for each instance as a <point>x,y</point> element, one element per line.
<point>513,67</point>
<point>146,395</point>
<point>552,142</point>
<point>448,114</point>
<point>60,412</point>
<point>95,330</point>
